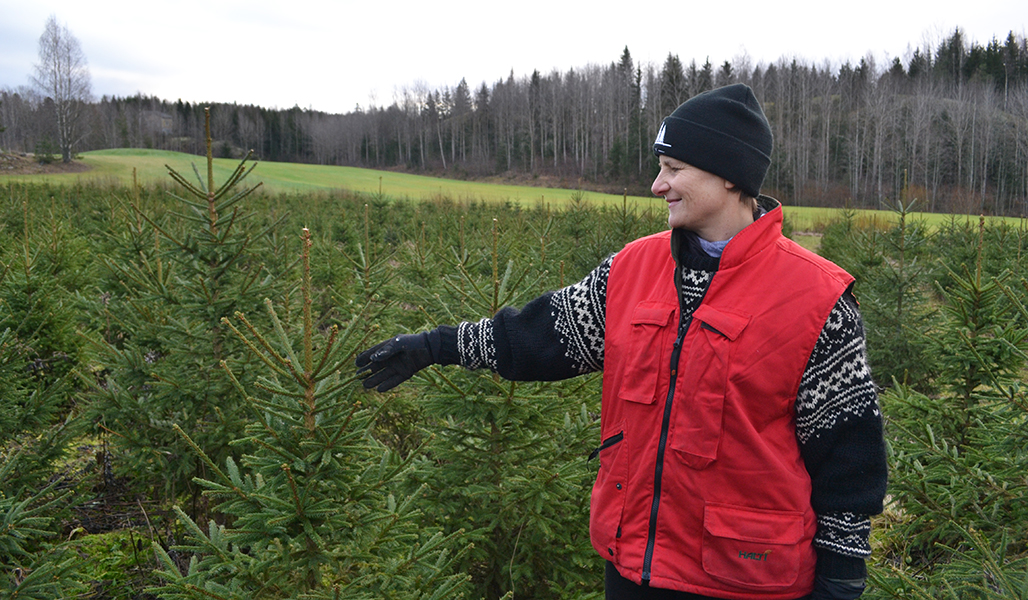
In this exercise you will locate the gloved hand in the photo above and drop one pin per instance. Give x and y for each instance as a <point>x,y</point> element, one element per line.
<point>394,361</point>
<point>837,589</point>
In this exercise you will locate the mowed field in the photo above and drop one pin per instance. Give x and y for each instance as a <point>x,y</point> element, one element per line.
<point>115,168</point>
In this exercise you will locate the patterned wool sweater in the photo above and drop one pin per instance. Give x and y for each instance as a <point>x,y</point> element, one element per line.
<point>838,424</point>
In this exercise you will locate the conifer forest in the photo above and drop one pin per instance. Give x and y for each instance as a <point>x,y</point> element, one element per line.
<point>181,417</point>
<point>948,120</point>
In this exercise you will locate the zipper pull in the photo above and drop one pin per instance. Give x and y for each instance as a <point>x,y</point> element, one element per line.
<point>682,329</point>
<point>677,348</point>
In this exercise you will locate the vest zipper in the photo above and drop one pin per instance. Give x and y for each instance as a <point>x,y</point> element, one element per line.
<point>651,538</point>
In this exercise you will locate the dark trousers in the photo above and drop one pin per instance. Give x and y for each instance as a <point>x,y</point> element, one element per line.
<point>619,588</point>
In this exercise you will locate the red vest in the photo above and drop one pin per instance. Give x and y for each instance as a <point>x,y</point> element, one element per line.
<point>701,485</point>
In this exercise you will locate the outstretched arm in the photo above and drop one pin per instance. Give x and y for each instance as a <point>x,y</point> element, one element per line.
<point>555,336</point>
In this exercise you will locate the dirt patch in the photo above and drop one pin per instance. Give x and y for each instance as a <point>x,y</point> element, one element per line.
<point>556,181</point>
<point>26,164</point>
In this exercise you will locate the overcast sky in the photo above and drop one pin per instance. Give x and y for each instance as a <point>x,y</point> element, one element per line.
<point>333,55</point>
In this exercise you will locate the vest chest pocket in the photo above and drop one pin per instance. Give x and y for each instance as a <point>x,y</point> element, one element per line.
<point>700,397</point>
<point>651,323</point>
<point>752,548</point>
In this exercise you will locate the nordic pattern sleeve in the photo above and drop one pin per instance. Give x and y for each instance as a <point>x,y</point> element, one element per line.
<point>558,335</point>
<point>839,428</point>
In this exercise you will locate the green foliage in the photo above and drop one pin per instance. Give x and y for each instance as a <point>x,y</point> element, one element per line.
<point>314,509</point>
<point>957,410</point>
<point>507,460</point>
<point>992,248</point>
<point>893,288</point>
<point>116,564</point>
<point>958,456</point>
<point>35,567</point>
<point>39,348</point>
<point>456,473</point>
<point>173,280</point>
<point>46,151</point>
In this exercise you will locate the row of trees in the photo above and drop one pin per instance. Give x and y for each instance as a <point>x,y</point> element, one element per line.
<point>948,125</point>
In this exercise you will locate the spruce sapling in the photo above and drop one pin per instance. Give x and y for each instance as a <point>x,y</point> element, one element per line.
<point>314,509</point>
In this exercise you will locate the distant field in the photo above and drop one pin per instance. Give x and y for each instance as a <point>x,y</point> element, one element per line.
<point>114,167</point>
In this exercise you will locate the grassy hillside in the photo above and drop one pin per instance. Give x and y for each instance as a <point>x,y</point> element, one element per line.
<point>116,167</point>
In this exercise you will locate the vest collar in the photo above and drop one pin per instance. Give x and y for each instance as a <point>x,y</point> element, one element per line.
<point>753,239</point>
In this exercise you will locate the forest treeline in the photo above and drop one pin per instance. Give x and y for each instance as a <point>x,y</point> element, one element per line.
<point>948,125</point>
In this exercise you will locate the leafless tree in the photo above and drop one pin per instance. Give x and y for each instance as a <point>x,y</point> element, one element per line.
<point>924,109</point>
<point>63,76</point>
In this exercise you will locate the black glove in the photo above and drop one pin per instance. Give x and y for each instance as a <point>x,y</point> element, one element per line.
<point>837,589</point>
<point>394,361</point>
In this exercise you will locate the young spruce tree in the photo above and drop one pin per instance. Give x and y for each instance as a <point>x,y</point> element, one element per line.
<point>315,509</point>
<point>183,272</point>
<point>37,349</point>
<point>959,461</point>
<point>506,460</point>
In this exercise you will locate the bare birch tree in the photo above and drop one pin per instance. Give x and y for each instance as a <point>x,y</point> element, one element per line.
<point>63,76</point>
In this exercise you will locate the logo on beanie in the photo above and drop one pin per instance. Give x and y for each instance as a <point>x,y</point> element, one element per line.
<point>660,136</point>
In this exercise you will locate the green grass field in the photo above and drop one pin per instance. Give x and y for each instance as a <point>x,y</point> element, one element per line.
<point>115,168</point>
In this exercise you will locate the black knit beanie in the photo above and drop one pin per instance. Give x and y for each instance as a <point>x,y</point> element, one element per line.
<point>724,132</point>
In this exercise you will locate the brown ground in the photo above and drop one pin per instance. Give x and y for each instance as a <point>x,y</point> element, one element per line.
<point>554,181</point>
<point>26,164</point>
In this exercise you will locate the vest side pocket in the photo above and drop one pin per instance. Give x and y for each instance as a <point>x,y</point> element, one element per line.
<point>643,360</point>
<point>753,548</point>
<point>608,496</point>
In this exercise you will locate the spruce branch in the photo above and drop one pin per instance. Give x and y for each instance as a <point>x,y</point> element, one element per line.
<point>264,357</point>
<point>308,325</point>
<point>252,279</point>
<point>179,179</point>
<point>283,337</point>
<point>223,237</point>
<point>240,173</point>
<point>278,390</point>
<point>326,352</point>
<point>206,459</point>
<point>292,486</point>
<point>439,372</point>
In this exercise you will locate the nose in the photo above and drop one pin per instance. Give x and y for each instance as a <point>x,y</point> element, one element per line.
<point>659,186</point>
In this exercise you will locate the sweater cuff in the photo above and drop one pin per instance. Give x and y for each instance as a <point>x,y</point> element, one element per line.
<point>837,566</point>
<point>442,341</point>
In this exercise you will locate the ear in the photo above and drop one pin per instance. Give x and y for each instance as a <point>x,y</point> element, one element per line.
<point>729,185</point>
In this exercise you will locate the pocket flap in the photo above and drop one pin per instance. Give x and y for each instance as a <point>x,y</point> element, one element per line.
<point>752,525</point>
<point>652,313</point>
<point>727,324</point>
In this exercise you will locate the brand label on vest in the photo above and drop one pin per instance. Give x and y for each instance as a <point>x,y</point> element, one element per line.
<point>755,555</point>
